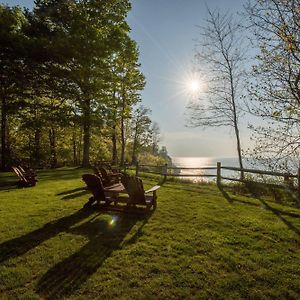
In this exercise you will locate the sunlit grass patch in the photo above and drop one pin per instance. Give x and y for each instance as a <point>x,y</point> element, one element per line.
<point>198,243</point>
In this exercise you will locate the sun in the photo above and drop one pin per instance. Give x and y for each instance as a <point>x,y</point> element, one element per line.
<point>193,86</point>
<point>190,84</point>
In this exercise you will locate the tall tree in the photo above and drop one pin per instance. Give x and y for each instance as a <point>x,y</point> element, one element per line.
<point>275,90</point>
<point>221,52</point>
<point>141,134</point>
<point>12,70</point>
<point>69,71</point>
<point>84,34</point>
<point>132,81</point>
<point>155,135</point>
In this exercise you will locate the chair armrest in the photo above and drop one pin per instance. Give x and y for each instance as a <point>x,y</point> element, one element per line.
<point>114,174</point>
<point>153,189</point>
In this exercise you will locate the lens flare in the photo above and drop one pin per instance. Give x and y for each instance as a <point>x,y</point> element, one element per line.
<point>113,220</point>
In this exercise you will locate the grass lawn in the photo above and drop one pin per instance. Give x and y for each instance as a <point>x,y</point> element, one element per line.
<point>200,243</point>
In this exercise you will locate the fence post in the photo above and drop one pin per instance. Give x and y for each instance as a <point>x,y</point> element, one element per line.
<point>164,171</point>
<point>218,174</point>
<point>137,168</point>
<point>298,196</point>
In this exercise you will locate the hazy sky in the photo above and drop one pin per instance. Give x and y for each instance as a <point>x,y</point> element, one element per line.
<point>165,31</point>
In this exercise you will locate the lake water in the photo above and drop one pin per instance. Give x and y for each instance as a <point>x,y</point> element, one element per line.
<point>197,162</point>
<point>194,162</point>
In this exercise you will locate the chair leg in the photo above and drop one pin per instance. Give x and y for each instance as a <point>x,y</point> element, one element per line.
<point>154,204</point>
<point>89,203</point>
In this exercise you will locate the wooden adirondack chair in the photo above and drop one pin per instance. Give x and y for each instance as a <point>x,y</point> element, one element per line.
<point>107,166</point>
<point>136,193</point>
<point>27,170</point>
<point>24,179</point>
<point>95,185</point>
<point>30,174</point>
<point>107,178</point>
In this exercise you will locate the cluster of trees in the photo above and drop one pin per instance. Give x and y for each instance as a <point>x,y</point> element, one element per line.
<point>70,85</point>
<point>270,90</point>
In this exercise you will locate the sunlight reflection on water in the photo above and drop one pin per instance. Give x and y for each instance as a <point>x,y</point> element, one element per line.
<point>197,162</point>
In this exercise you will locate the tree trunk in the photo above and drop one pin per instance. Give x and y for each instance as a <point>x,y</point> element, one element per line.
<point>53,152</point>
<point>37,146</point>
<point>86,133</point>
<point>114,146</point>
<point>134,158</point>
<point>74,147</point>
<point>114,132</point>
<point>235,123</point>
<point>123,139</point>
<point>238,143</point>
<point>79,147</point>
<point>4,152</point>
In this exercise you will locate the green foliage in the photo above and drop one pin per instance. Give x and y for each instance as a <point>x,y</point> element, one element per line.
<point>150,159</point>
<point>69,81</point>
<point>274,89</point>
<point>269,189</point>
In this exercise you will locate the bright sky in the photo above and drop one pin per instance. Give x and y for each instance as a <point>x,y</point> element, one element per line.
<point>165,31</point>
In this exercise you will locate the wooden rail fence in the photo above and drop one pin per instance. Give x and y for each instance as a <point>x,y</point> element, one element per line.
<point>167,171</point>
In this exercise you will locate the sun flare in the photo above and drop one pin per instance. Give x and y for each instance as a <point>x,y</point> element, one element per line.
<point>190,84</point>
<point>193,86</point>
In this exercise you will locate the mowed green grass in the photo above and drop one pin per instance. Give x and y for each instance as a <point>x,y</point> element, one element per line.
<point>200,243</point>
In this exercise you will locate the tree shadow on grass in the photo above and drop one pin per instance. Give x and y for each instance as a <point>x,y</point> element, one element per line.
<point>19,246</point>
<point>280,214</point>
<point>277,212</point>
<point>59,174</point>
<point>104,237</point>
<point>225,195</point>
<point>8,183</point>
<point>75,195</point>
<point>79,189</point>
<point>8,186</point>
<point>181,188</point>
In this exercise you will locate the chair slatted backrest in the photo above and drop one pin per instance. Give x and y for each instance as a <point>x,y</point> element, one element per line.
<point>28,173</point>
<point>21,169</point>
<point>135,189</point>
<point>94,184</point>
<point>106,165</point>
<point>98,173</point>
<point>103,173</point>
<point>20,175</point>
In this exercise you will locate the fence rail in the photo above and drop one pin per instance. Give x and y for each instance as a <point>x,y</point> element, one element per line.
<point>261,172</point>
<point>165,171</point>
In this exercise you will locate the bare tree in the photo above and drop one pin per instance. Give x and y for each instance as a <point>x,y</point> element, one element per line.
<point>220,53</point>
<point>275,90</point>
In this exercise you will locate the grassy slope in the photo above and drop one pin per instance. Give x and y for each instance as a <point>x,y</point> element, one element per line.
<point>197,244</point>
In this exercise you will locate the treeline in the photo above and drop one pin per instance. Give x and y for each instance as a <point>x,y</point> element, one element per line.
<point>70,85</point>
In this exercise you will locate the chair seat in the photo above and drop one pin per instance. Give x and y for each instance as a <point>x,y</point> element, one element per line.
<point>115,188</point>
<point>126,199</point>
